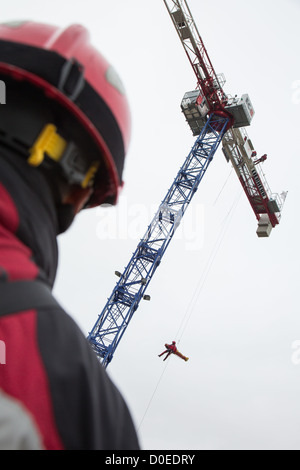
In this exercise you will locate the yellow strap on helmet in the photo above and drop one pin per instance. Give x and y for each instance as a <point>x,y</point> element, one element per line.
<point>90,174</point>
<point>48,142</point>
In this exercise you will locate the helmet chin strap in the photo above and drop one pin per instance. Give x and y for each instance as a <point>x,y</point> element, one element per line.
<point>50,146</point>
<point>71,204</point>
<point>77,197</point>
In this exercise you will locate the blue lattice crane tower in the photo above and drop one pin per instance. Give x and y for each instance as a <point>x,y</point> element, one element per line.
<point>131,287</point>
<point>214,119</point>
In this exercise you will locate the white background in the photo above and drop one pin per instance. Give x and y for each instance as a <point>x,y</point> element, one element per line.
<point>229,298</point>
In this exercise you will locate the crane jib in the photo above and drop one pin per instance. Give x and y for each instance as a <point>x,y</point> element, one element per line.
<point>133,282</point>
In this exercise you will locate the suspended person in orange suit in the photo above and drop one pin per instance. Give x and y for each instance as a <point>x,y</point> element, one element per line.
<point>171,349</point>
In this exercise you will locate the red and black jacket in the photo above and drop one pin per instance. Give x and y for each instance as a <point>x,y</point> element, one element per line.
<point>54,394</point>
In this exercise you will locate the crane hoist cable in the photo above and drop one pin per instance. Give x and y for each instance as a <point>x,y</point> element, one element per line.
<point>152,396</point>
<point>189,311</point>
<point>190,308</point>
<point>221,190</point>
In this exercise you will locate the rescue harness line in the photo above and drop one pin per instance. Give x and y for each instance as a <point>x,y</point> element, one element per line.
<point>151,398</point>
<point>195,296</point>
<point>206,270</point>
<point>221,190</point>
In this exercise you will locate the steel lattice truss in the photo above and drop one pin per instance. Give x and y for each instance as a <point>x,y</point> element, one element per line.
<point>251,176</point>
<point>210,83</point>
<point>130,289</point>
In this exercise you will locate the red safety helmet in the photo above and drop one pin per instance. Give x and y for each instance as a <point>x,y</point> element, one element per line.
<point>71,72</point>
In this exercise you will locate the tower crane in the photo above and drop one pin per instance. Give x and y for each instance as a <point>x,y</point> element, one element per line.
<point>214,119</point>
<point>209,97</point>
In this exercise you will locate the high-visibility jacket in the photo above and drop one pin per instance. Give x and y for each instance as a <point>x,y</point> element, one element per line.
<point>171,347</point>
<point>54,394</point>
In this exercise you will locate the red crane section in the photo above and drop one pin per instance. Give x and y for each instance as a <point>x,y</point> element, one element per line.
<point>209,98</point>
<point>239,150</point>
<point>209,82</point>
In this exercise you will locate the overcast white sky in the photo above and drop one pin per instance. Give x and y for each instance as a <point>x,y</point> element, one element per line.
<point>228,297</point>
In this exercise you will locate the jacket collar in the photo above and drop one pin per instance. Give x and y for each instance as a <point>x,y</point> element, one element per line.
<point>31,220</point>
